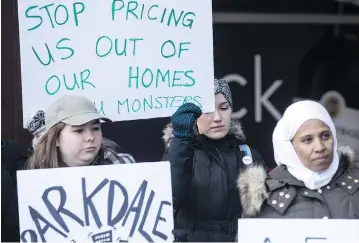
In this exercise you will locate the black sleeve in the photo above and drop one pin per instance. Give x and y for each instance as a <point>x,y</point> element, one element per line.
<point>180,154</point>
<point>9,208</point>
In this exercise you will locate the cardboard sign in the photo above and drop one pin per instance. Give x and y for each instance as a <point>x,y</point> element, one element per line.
<point>135,59</point>
<point>109,203</point>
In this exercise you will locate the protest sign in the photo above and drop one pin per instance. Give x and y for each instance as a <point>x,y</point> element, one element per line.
<point>135,59</point>
<point>298,230</point>
<point>109,203</point>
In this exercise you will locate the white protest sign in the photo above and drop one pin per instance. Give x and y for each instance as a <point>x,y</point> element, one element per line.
<point>298,231</point>
<point>135,59</point>
<point>110,203</point>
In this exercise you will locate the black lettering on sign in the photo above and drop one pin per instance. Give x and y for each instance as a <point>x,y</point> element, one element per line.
<point>37,217</point>
<point>111,195</point>
<point>116,192</point>
<point>158,218</point>
<point>145,214</point>
<point>31,233</point>
<point>140,195</point>
<point>56,212</point>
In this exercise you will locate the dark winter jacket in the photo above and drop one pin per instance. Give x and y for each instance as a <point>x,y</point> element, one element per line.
<point>289,198</point>
<point>9,208</point>
<point>12,157</point>
<point>204,172</point>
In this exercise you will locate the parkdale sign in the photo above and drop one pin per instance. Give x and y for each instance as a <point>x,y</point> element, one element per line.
<point>90,205</point>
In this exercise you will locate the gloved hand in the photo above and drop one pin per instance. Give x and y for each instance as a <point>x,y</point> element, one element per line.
<point>184,119</point>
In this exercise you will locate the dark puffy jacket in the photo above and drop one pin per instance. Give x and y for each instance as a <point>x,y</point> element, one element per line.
<point>204,174</point>
<point>289,198</point>
<point>12,157</point>
<point>9,208</point>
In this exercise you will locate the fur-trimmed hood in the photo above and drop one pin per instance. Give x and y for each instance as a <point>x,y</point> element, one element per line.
<point>235,129</point>
<point>252,183</point>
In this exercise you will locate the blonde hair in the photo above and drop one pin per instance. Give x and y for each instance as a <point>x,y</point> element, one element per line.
<point>46,153</point>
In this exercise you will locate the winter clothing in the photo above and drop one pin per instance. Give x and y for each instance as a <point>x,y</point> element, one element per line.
<point>36,123</point>
<point>110,157</point>
<point>36,126</point>
<point>183,120</point>
<point>295,191</point>
<point>221,87</point>
<point>9,208</point>
<point>284,153</point>
<point>288,197</point>
<point>12,158</point>
<point>204,173</point>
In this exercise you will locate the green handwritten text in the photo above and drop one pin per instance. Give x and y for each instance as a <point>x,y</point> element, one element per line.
<point>132,10</point>
<point>155,78</point>
<point>59,46</point>
<point>78,81</point>
<point>151,103</point>
<point>56,16</point>
<point>105,45</point>
<point>168,48</point>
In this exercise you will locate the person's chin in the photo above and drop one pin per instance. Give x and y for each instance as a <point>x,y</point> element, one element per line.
<point>322,167</point>
<point>88,158</point>
<point>217,135</point>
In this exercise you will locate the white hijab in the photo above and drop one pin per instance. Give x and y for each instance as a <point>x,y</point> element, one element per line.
<point>284,153</point>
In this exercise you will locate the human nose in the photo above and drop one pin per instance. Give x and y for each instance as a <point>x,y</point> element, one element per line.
<point>217,116</point>
<point>89,137</point>
<point>319,146</point>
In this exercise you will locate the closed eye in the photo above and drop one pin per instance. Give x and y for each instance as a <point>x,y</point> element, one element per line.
<point>224,108</point>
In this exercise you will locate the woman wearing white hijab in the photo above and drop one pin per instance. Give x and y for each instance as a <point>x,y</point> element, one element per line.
<point>314,178</point>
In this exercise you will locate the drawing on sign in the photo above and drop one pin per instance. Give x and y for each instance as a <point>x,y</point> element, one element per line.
<point>139,206</point>
<point>102,236</point>
<point>147,58</point>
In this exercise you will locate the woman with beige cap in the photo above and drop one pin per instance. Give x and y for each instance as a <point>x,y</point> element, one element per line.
<point>73,137</point>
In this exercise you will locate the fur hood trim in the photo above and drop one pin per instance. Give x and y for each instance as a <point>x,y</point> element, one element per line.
<point>252,183</point>
<point>347,155</point>
<point>236,129</point>
<point>252,188</point>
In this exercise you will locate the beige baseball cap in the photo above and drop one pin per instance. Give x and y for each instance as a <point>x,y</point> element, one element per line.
<point>73,110</point>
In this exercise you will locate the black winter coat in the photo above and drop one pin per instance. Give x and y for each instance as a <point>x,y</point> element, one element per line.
<point>9,208</point>
<point>204,175</point>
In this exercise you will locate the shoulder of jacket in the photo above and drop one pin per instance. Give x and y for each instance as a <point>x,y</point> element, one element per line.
<point>349,181</point>
<point>282,198</point>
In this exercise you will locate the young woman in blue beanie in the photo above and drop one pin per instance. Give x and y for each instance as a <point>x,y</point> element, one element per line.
<point>208,153</point>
